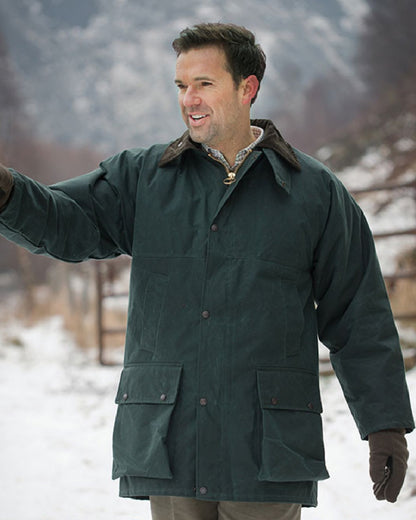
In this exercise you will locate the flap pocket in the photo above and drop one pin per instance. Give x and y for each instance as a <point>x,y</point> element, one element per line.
<point>288,389</point>
<point>146,397</point>
<point>150,383</point>
<point>292,443</point>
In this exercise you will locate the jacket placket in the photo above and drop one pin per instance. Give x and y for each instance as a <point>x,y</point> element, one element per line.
<point>215,370</point>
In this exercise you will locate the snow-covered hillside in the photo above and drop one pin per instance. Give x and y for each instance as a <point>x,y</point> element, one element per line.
<point>385,211</point>
<point>101,72</point>
<point>57,410</point>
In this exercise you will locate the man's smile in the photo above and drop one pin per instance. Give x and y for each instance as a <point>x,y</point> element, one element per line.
<point>197,119</point>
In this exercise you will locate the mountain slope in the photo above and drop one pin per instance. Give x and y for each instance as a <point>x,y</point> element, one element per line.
<point>101,72</point>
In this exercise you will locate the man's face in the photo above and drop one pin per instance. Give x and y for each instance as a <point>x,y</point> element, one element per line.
<point>213,108</point>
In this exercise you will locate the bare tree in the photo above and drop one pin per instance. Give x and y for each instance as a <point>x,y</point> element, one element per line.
<point>387,46</point>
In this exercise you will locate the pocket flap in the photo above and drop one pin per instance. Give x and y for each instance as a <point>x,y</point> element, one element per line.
<point>287,389</point>
<point>149,383</point>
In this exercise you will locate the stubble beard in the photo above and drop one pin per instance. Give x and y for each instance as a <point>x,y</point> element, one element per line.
<point>203,136</point>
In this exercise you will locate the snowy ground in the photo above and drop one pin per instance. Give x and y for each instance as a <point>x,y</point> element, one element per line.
<point>57,409</point>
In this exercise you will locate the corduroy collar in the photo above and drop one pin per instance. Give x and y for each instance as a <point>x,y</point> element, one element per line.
<point>272,139</point>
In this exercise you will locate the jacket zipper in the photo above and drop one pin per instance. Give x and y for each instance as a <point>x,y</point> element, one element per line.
<point>231,174</point>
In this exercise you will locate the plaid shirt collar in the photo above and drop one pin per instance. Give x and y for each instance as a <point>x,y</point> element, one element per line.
<point>241,155</point>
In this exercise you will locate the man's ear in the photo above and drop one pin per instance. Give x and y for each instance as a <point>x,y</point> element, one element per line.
<point>250,88</point>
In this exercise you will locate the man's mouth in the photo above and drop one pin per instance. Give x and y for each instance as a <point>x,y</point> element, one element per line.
<point>197,117</point>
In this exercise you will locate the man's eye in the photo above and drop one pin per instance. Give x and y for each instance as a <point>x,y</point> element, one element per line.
<point>206,83</point>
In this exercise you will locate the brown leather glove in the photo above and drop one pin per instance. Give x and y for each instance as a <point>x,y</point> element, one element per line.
<point>6,185</point>
<point>388,463</point>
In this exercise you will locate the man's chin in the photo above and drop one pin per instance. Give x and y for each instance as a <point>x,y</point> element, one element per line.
<point>196,136</point>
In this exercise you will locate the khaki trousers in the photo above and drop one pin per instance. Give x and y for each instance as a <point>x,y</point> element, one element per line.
<point>178,508</point>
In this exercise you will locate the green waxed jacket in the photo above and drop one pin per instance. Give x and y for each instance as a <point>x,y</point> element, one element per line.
<point>230,286</point>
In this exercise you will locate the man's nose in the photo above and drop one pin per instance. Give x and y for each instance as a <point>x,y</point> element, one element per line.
<point>191,97</point>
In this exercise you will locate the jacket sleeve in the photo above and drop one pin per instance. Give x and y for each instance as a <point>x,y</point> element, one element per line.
<point>90,216</point>
<point>355,320</point>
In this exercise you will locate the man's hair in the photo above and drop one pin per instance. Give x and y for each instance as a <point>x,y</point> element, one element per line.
<point>244,56</point>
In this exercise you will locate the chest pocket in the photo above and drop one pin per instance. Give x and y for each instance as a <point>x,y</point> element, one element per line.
<point>293,319</point>
<point>154,297</point>
<point>147,299</point>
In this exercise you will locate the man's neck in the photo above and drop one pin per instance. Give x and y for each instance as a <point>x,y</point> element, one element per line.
<point>240,152</point>
<point>231,150</point>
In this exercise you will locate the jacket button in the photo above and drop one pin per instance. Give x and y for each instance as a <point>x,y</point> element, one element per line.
<point>203,401</point>
<point>205,314</point>
<point>203,490</point>
<point>310,406</point>
<point>163,397</point>
<point>214,227</point>
<point>125,397</point>
<point>274,400</point>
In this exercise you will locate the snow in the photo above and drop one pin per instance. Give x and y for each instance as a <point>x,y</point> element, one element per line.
<point>57,408</point>
<point>57,411</point>
<point>372,168</point>
<point>405,144</point>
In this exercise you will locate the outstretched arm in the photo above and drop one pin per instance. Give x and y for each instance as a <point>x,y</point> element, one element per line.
<point>90,216</point>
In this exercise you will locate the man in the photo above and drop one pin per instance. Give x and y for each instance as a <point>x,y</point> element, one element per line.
<point>243,250</point>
